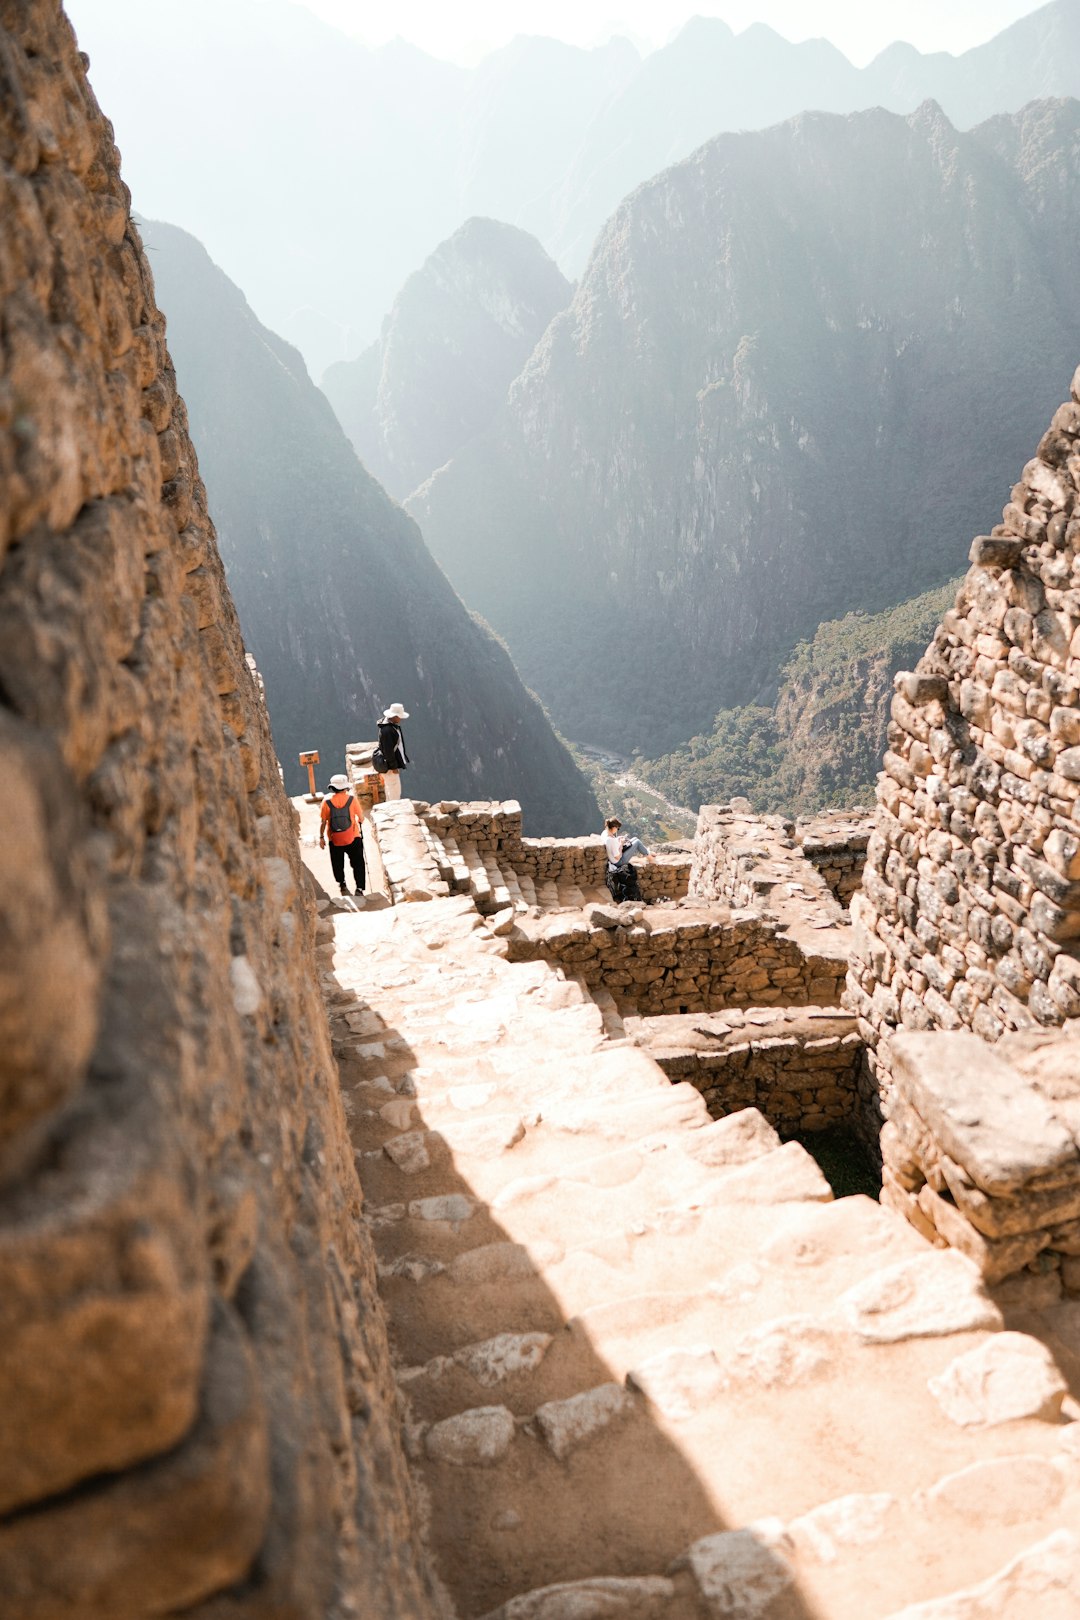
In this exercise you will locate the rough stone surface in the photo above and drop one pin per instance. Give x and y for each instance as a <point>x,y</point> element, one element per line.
<point>1009,1377</point>
<point>474,1439</point>
<point>643,1598</point>
<point>195,1386</point>
<point>692,1343</point>
<point>565,1425</point>
<point>740,1573</point>
<point>938,1293</point>
<point>968,921</point>
<point>1043,1581</point>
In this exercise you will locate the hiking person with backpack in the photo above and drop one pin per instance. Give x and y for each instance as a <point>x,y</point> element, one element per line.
<point>620,876</point>
<point>390,758</point>
<point>343,820</point>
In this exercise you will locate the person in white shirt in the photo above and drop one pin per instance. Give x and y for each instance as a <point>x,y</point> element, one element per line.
<point>620,876</point>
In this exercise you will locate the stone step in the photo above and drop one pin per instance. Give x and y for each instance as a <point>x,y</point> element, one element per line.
<point>824,1562</point>
<point>636,1597</point>
<point>584,1266</point>
<point>614,1027</point>
<point>799,1377</point>
<point>409,864</point>
<point>479,882</point>
<point>437,851</point>
<point>595,1525</point>
<point>459,871</point>
<point>649,1368</point>
<point>633,1327</point>
<point>493,1151</point>
<point>505,887</point>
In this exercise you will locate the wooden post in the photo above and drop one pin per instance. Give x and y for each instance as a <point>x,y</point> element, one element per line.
<point>311,759</point>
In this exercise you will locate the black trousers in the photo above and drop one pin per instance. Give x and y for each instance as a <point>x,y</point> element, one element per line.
<point>355,852</point>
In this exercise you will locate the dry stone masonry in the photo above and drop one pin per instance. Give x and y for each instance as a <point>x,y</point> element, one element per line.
<point>196,1401</point>
<point>650,1368</point>
<point>478,849</point>
<point>690,958</point>
<point>969,919</point>
<point>640,1364</point>
<point>798,1066</point>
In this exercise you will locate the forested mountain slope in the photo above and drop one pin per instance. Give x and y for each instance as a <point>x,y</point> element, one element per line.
<point>339,599</point>
<point>790,385</point>
<point>819,742</point>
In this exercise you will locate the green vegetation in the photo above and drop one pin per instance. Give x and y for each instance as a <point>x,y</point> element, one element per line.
<point>820,742</point>
<point>645,813</point>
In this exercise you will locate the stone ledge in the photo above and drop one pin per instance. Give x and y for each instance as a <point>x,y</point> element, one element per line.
<point>976,1155</point>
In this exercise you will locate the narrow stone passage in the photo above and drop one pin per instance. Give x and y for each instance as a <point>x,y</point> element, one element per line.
<point>649,1369</point>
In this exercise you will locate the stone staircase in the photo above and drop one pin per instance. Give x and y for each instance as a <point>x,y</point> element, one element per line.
<point>494,884</point>
<point>649,1369</point>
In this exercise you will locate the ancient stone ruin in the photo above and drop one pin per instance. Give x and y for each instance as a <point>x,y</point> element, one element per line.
<point>458,1253</point>
<point>969,919</point>
<point>196,1396</point>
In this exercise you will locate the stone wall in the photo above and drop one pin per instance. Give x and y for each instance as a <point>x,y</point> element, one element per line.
<point>797,1066</point>
<point>969,917</point>
<point>196,1404</point>
<point>971,906</point>
<point>835,845</point>
<point>494,829</point>
<point>745,859</point>
<point>685,960</point>
<point>999,1180</point>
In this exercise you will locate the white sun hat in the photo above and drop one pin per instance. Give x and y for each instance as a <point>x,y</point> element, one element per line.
<point>339,783</point>
<point>396,711</point>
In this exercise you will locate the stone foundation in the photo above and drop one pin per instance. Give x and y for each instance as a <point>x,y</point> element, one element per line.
<point>797,1066</point>
<point>792,867</point>
<point>980,1151</point>
<point>496,829</point>
<point>681,959</point>
<point>835,845</point>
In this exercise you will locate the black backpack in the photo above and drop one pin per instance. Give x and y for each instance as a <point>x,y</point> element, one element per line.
<point>341,815</point>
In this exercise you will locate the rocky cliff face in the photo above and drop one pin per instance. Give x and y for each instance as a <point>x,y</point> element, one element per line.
<point>340,600</point>
<point>196,1402</point>
<point>459,332</point>
<point>670,106</point>
<point>540,134</point>
<point>775,398</point>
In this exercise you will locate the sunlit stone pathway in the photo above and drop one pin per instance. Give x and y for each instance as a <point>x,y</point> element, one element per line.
<point>649,1369</point>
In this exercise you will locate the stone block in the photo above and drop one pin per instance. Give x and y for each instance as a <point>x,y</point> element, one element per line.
<point>104,1294</point>
<point>160,1537</point>
<point>1009,1377</point>
<point>983,1113</point>
<point>53,939</point>
<point>996,1258</point>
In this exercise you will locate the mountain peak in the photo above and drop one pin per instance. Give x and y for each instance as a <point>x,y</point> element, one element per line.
<point>697,31</point>
<point>458,333</point>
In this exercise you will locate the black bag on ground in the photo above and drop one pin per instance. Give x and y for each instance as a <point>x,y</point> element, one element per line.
<point>622,883</point>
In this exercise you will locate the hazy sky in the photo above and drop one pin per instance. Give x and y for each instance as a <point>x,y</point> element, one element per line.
<point>463,30</point>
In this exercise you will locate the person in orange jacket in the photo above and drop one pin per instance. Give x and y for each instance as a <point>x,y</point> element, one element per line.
<point>343,821</point>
